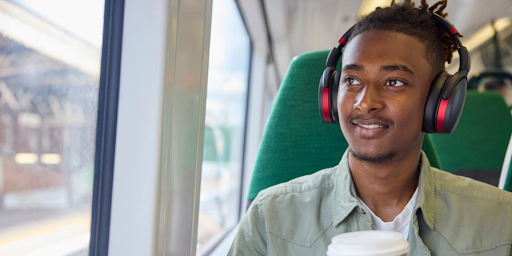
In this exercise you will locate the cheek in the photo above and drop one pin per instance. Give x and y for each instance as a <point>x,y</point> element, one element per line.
<point>423,101</point>
<point>410,112</point>
<point>344,103</point>
<point>344,108</point>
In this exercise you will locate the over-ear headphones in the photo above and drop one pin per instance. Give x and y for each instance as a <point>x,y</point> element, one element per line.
<point>446,97</point>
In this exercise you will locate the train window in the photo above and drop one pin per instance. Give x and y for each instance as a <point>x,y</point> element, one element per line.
<point>228,76</point>
<point>50,53</point>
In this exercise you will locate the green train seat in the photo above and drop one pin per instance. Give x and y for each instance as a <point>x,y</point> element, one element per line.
<point>295,141</point>
<point>477,147</point>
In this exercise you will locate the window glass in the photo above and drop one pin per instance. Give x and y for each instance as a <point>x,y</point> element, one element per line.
<point>228,76</point>
<point>492,55</point>
<point>50,54</point>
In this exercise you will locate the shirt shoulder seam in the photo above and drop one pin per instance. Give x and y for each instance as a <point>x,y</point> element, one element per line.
<point>289,190</point>
<point>496,199</point>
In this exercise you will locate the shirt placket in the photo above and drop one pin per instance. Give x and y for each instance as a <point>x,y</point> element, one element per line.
<point>366,218</point>
<point>415,240</point>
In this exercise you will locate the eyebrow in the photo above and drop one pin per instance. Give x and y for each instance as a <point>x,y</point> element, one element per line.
<point>397,67</point>
<point>387,68</point>
<point>352,67</point>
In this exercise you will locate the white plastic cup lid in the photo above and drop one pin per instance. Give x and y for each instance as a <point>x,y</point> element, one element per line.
<point>368,243</point>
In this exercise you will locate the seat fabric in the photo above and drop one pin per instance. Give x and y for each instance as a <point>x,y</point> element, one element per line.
<point>477,147</point>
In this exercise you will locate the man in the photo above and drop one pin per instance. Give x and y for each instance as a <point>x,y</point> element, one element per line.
<point>383,181</point>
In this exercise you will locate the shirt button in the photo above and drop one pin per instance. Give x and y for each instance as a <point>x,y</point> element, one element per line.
<point>363,212</point>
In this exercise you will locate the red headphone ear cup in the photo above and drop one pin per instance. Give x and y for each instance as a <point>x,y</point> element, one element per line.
<point>324,95</point>
<point>442,114</point>
<point>333,96</point>
<point>432,104</point>
<point>447,121</point>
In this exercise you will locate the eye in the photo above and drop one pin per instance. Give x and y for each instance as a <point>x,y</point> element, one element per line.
<point>351,81</point>
<point>395,83</point>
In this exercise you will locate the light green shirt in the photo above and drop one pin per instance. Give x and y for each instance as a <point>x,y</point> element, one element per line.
<point>453,215</point>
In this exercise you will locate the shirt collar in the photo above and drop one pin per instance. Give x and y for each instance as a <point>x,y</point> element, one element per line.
<point>345,196</point>
<point>426,192</point>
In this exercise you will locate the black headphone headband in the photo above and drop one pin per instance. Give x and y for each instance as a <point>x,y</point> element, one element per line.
<point>447,92</point>
<point>335,54</point>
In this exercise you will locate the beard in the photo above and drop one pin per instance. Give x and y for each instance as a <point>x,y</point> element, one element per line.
<point>372,159</point>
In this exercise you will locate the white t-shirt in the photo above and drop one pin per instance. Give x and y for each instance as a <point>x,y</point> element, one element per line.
<point>401,221</point>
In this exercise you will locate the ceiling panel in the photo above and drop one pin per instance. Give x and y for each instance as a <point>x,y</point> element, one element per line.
<point>299,26</point>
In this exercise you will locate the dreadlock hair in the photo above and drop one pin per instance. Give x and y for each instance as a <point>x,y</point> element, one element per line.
<point>405,18</point>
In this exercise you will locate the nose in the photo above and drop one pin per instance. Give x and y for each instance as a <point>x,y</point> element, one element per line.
<point>369,100</point>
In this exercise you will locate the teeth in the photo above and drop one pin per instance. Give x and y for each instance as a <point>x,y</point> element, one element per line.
<point>371,126</point>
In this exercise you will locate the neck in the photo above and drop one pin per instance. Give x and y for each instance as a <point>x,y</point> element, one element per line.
<point>386,187</point>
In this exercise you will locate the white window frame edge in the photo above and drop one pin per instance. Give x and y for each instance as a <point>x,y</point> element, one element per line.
<point>180,174</point>
<point>160,131</point>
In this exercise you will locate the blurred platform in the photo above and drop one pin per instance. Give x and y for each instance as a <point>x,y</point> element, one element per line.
<point>63,232</point>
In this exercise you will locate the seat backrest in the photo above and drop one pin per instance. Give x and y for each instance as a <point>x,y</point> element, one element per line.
<point>295,141</point>
<point>477,146</point>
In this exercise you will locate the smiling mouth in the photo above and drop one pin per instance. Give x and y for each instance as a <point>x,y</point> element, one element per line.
<point>370,131</point>
<point>370,126</point>
<point>371,122</point>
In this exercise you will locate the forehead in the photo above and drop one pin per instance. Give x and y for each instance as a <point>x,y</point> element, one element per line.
<point>382,47</point>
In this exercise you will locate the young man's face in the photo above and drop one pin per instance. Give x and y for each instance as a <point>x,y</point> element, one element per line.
<point>383,88</point>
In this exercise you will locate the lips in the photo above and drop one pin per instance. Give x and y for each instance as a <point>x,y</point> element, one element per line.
<point>370,127</point>
<point>371,122</point>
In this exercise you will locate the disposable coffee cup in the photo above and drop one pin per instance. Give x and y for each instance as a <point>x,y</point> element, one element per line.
<point>368,243</point>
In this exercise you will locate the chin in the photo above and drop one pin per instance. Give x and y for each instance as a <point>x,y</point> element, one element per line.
<point>372,157</point>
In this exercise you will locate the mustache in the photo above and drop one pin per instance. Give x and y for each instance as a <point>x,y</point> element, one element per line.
<point>379,119</point>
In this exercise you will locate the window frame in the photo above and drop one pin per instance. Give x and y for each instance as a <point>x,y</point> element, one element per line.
<point>108,98</point>
<point>242,186</point>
